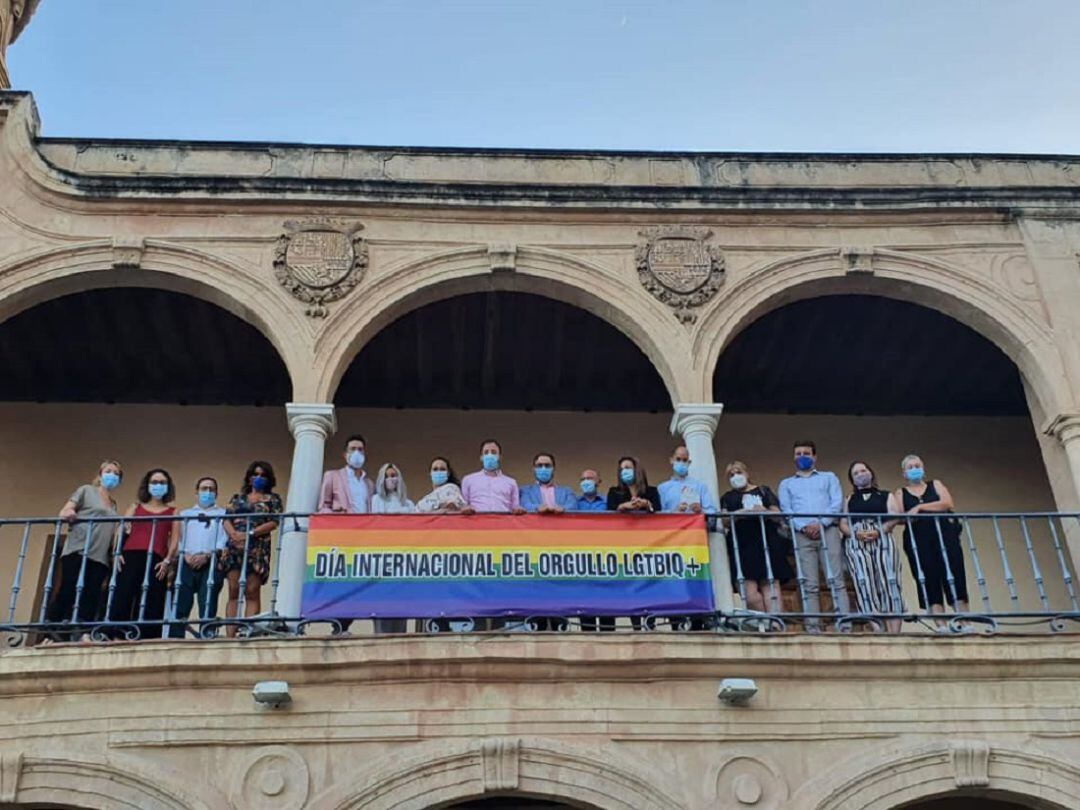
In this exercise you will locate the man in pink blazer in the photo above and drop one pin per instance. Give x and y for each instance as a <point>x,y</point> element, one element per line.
<point>348,489</point>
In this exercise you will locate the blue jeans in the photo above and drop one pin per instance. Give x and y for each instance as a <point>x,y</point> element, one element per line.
<point>195,584</point>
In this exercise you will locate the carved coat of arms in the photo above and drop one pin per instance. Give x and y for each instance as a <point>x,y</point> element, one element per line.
<point>319,261</point>
<point>679,266</point>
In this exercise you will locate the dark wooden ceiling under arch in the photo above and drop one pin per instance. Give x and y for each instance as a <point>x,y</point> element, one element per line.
<point>137,345</point>
<point>862,354</point>
<point>502,350</point>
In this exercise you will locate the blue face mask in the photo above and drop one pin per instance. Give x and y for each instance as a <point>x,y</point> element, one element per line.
<point>207,498</point>
<point>110,480</point>
<point>681,468</point>
<point>439,477</point>
<point>158,490</point>
<point>543,474</point>
<point>356,459</point>
<point>805,463</point>
<point>588,486</point>
<point>626,475</point>
<point>490,461</point>
<point>915,474</point>
<point>260,483</point>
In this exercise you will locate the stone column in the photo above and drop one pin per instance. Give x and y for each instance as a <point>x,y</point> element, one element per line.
<point>309,424</point>
<point>1066,429</point>
<point>696,423</point>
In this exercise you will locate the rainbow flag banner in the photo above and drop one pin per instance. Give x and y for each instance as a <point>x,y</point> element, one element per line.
<point>429,566</point>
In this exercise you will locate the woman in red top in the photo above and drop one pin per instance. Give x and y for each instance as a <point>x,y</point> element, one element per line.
<point>144,560</point>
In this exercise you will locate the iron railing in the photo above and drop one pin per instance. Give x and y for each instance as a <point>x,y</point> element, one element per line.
<point>1019,564</point>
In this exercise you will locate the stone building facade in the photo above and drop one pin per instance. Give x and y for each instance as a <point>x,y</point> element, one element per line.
<point>321,251</point>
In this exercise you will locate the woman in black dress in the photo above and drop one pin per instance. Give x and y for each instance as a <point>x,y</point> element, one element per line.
<point>871,553</point>
<point>924,551</point>
<point>632,494</point>
<point>761,573</point>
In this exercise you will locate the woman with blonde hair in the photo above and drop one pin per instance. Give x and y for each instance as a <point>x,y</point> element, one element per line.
<point>755,548</point>
<point>390,496</point>
<point>940,577</point>
<point>89,546</point>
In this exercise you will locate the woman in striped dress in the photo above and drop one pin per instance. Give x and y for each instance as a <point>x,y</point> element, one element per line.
<point>871,553</point>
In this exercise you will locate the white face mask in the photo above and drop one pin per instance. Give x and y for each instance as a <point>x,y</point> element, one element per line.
<point>738,481</point>
<point>356,459</point>
<point>391,484</point>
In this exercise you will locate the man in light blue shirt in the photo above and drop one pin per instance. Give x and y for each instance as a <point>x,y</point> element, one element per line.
<point>591,499</point>
<point>681,493</point>
<point>818,545</point>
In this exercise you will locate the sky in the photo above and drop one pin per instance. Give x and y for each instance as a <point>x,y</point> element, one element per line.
<point>758,75</point>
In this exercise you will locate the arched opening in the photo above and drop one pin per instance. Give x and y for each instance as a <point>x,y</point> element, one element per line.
<point>872,379</point>
<point>150,377</point>
<point>512,803</point>
<point>535,373</point>
<point>979,800</point>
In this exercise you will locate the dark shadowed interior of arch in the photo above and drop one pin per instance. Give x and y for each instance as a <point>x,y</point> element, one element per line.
<point>502,350</point>
<point>512,803</point>
<point>861,354</point>
<point>974,802</point>
<point>140,346</point>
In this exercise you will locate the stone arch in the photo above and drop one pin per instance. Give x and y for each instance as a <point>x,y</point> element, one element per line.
<point>32,280</point>
<point>52,782</point>
<point>886,780</point>
<point>551,274</point>
<point>1023,336</point>
<point>443,772</point>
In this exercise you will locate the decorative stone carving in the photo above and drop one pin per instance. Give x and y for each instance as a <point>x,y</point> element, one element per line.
<point>750,782</point>
<point>128,251</point>
<point>678,266</point>
<point>503,258</point>
<point>499,760</point>
<point>14,15</point>
<point>858,260</point>
<point>319,261</point>
<point>275,779</point>
<point>971,763</point>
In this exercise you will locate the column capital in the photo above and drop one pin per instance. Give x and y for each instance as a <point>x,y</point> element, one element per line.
<point>1065,427</point>
<point>311,417</point>
<point>696,417</point>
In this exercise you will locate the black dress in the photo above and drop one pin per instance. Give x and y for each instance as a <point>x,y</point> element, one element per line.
<point>748,530</point>
<point>617,496</point>
<point>928,543</point>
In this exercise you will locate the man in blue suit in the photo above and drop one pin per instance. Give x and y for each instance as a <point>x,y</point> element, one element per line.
<point>545,497</point>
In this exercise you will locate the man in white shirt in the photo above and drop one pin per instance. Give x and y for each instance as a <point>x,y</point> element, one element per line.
<point>201,541</point>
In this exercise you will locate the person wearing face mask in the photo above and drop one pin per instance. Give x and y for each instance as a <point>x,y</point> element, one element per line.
<point>931,497</point>
<point>545,496</point>
<point>445,496</point>
<point>202,541</point>
<point>681,493</point>
<point>258,499</point>
<point>816,495</point>
<point>490,489</point>
<point>390,496</point>
<point>348,490</point>
<point>632,493</point>
<point>145,555</point>
<point>869,547</point>
<point>591,500</point>
<point>762,575</point>
<point>94,541</point>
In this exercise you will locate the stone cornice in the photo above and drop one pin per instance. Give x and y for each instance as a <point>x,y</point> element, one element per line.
<point>110,169</point>
<point>543,659</point>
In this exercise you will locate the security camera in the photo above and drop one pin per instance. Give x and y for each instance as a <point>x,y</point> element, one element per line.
<point>272,694</point>
<point>736,691</point>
